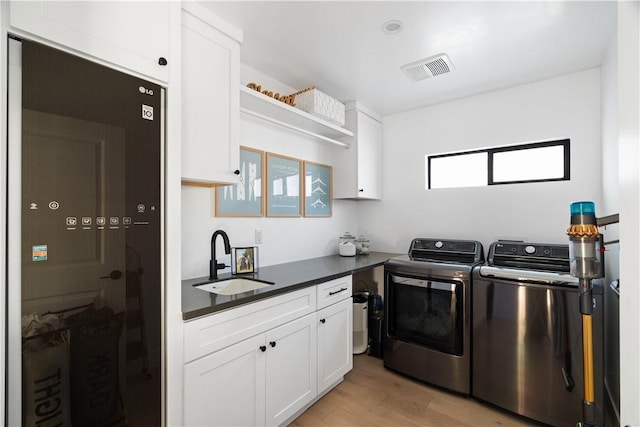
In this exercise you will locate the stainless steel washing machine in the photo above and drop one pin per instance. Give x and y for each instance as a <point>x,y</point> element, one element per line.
<point>527,334</point>
<point>427,317</point>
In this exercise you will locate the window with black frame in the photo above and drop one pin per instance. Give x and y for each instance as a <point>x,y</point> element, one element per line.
<point>514,164</point>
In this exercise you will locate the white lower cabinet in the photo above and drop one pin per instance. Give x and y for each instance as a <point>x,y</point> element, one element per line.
<point>226,388</point>
<point>263,363</point>
<point>335,348</point>
<point>290,369</point>
<point>260,381</point>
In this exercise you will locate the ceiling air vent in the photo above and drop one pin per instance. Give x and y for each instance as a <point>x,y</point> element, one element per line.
<point>429,67</point>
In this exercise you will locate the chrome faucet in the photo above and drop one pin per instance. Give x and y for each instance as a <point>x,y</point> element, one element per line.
<point>214,266</point>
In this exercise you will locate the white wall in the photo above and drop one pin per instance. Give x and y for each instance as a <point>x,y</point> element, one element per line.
<point>610,153</point>
<point>3,198</point>
<point>562,107</point>
<point>629,187</point>
<point>610,205</point>
<point>284,239</point>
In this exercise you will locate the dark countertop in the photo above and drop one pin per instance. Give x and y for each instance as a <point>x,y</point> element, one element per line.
<point>286,278</point>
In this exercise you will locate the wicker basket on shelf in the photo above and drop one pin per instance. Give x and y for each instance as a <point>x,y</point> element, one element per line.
<point>321,105</point>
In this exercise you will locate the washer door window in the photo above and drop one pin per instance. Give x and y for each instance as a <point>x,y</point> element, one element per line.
<point>426,312</point>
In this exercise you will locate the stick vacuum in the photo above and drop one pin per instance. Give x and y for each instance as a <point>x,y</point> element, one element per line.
<point>586,265</point>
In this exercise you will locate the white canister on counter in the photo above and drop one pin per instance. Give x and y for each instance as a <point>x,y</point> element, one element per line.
<point>347,249</point>
<point>362,245</point>
<point>347,245</point>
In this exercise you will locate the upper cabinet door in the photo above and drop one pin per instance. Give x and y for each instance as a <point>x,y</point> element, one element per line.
<point>210,101</point>
<point>368,160</point>
<point>357,170</point>
<point>132,35</point>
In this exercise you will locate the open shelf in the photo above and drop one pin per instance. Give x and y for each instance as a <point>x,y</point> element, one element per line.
<point>264,107</point>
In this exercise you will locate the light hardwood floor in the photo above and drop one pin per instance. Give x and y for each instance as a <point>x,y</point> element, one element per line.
<point>371,395</point>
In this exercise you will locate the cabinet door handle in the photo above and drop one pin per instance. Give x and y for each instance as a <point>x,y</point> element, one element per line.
<point>337,292</point>
<point>114,275</point>
<point>272,343</point>
<point>323,320</point>
<point>237,171</point>
<point>162,61</point>
<point>263,348</point>
<point>361,190</point>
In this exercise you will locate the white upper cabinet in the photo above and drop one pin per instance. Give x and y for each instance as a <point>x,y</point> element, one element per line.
<point>210,98</point>
<point>357,170</point>
<point>133,35</point>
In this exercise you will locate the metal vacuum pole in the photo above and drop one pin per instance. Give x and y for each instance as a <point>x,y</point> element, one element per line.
<point>584,254</point>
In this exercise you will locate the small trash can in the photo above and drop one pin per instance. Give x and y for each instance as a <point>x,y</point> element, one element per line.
<point>376,326</point>
<point>375,335</point>
<point>360,318</point>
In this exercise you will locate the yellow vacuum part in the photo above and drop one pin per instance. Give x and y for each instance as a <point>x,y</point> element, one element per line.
<point>583,230</point>
<point>587,351</point>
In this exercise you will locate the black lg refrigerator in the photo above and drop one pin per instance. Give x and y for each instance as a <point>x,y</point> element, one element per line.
<point>84,253</point>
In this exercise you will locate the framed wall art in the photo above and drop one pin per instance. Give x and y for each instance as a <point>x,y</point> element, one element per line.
<point>318,189</point>
<point>284,181</point>
<point>247,197</point>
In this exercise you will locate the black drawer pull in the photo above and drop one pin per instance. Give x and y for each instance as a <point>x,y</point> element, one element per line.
<point>337,292</point>
<point>263,348</point>
<point>322,320</point>
<point>272,343</point>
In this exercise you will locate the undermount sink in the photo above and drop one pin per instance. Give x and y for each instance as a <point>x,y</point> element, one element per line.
<point>233,286</point>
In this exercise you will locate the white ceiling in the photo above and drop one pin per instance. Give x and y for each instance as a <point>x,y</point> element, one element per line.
<point>339,47</point>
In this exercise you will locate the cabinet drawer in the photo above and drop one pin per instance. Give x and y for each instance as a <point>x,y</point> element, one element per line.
<point>333,291</point>
<point>214,332</point>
